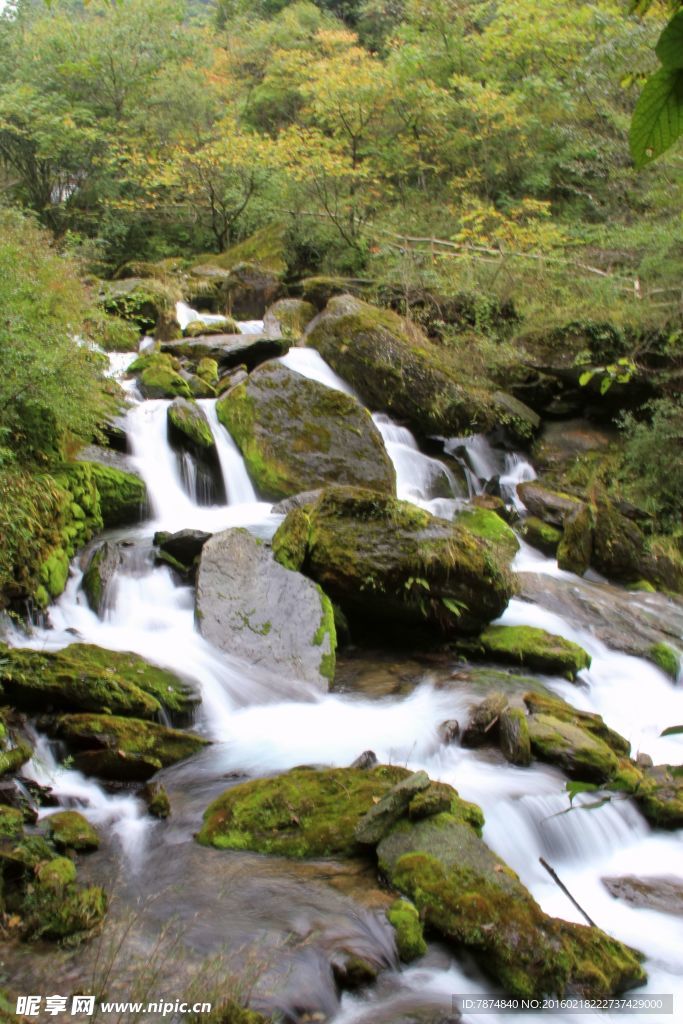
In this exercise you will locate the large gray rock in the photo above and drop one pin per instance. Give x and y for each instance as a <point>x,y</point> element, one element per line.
<point>229,350</point>
<point>296,434</point>
<point>252,607</point>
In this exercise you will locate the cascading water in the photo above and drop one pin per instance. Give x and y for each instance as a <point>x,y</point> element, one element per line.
<point>260,724</point>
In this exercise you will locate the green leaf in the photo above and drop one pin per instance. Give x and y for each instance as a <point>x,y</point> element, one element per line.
<point>658,118</point>
<point>586,377</point>
<point>669,49</point>
<point>453,606</point>
<point>576,788</point>
<point>673,730</point>
<point>605,385</point>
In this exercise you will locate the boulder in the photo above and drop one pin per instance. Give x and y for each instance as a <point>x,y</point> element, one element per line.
<point>543,703</point>
<point>156,798</point>
<point>466,893</point>
<point>571,748</point>
<point>189,428</point>
<point>387,563</point>
<point>395,368</point>
<point>550,506</point>
<point>124,749</point>
<point>405,919</point>
<point>69,830</point>
<point>663,893</point>
<point>660,795</point>
<point>484,720</point>
<point>534,648</point>
<point>303,813</point>
<point>184,546</point>
<point>198,328</point>
<point>288,318</point>
<point>82,677</point>
<point>514,737</point>
<point>488,525</point>
<point>296,434</point>
<point>229,350</point>
<point>98,577</point>
<point>123,495</point>
<point>158,376</point>
<point>574,552</point>
<point>618,545</point>
<point>250,289</point>
<point>249,605</point>
<point>541,535</point>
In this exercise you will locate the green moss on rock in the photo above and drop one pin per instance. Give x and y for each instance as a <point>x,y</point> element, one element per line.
<point>386,561</point>
<point>122,496</point>
<point>405,919</point>
<point>69,830</point>
<point>187,423</point>
<point>571,748</point>
<point>534,648</point>
<point>82,677</point>
<point>666,658</point>
<point>304,813</point>
<point>296,434</point>
<point>660,795</point>
<point>541,535</point>
<point>491,528</point>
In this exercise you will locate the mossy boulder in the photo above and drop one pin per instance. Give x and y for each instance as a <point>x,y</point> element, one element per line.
<point>123,496</point>
<point>57,909</point>
<point>405,919</point>
<point>229,351</point>
<point>488,525</point>
<point>386,562</point>
<point>145,301</point>
<point>288,318</point>
<point>377,821</point>
<point>619,549</point>
<point>571,748</point>
<point>158,377</point>
<point>207,369</point>
<point>534,648</point>
<point>157,800</point>
<point>11,822</point>
<point>548,505</point>
<point>198,328</point>
<point>395,368</point>
<point>515,742</point>
<point>295,434</point>
<point>99,574</point>
<point>541,535</point>
<point>82,677</point>
<point>467,894</point>
<point>69,830</point>
<point>660,795</point>
<point>124,749</point>
<point>544,703</point>
<point>189,428</point>
<point>256,609</point>
<point>303,813</point>
<point>575,550</point>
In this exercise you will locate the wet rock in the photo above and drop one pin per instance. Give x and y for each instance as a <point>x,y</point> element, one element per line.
<point>550,506</point>
<point>660,795</point>
<point>125,749</point>
<point>156,798</point>
<point>575,550</point>
<point>229,350</point>
<point>184,546</point>
<point>551,705</point>
<point>405,919</point>
<point>82,677</point>
<point>623,621</point>
<point>644,760</point>
<point>437,798</point>
<point>252,607</point>
<point>352,972</point>
<point>466,893</point>
<point>199,328</point>
<point>107,457</point>
<point>69,830</point>
<point>99,575</point>
<point>158,376</point>
<point>189,428</point>
<point>297,501</point>
<point>376,822</point>
<point>251,288</point>
<point>122,495</point>
<point>514,737</point>
<point>449,731</point>
<point>492,529</point>
<point>535,648</point>
<point>303,813</point>
<point>295,434</point>
<point>561,444</point>
<point>665,657</point>
<point>663,893</point>
<point>15,747</point>
<point>394,366</point>
<point>541,535</point>
<point>386,562</point>
<point>288,318</point>
<point>618,545</point>
<point>482,726</point>
<point>571,748</point>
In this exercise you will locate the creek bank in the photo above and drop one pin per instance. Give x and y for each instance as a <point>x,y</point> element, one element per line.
<point>434,856</point>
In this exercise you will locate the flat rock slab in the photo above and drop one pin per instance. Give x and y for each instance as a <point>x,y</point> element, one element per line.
<point>664,893</point>
<point>250,606</point>
<point>382,815</point>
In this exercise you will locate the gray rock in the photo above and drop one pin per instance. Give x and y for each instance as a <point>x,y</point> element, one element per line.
<point>368,759</point>
<point>296,434</point>
<point>374,825</point>
<point>514,737</point>
<point>288,318</point>
<point>484,721</point>
<point>184,545</point>
<point>107,457</point>
<point>664,893</point>
<point>550,506</point>
<point>229,350</point>
<point>296,501</point>
<point>250,606</point>
<point>98,577</point>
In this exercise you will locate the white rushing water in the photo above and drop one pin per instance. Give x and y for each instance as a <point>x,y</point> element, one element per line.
<point>262,724</point>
